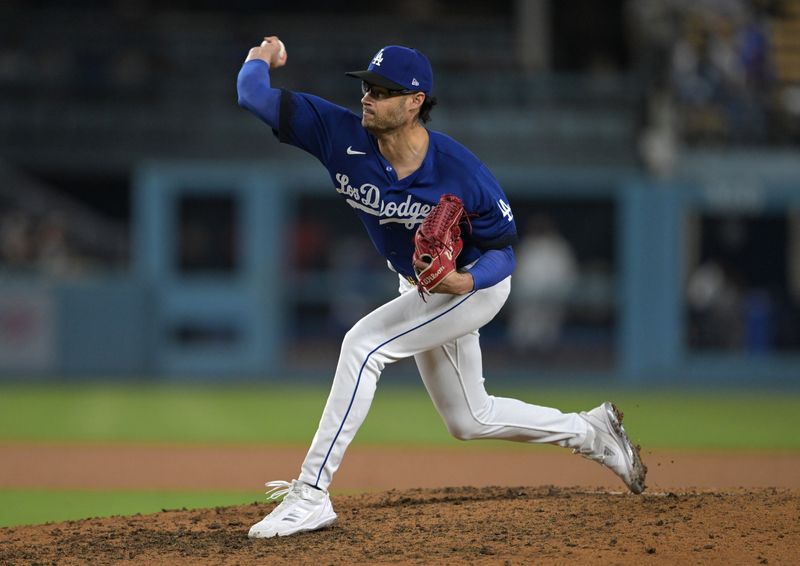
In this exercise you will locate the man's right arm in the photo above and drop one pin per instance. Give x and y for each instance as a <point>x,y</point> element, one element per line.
<point>302,120</point>
<point>256,94</point>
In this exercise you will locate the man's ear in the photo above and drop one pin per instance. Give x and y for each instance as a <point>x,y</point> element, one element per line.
<point>417,99</point>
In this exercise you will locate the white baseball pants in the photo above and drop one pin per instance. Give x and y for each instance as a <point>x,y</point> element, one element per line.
<point>442,335</point>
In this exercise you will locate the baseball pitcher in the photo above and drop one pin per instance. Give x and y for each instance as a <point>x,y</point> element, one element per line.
<point>445,226</point>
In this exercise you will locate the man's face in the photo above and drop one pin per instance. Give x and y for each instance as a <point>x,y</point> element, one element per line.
<point>384,110</point>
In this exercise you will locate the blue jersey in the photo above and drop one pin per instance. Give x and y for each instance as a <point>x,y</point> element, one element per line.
<point>392,209</point>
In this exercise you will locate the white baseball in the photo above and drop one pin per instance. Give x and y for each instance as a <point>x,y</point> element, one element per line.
<point>282,51</point>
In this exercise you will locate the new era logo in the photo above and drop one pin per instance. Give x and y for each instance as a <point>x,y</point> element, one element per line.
<point>414,82</point>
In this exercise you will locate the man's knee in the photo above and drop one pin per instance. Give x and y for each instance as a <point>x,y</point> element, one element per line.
<point>469,423</point>
<point>465,428</point>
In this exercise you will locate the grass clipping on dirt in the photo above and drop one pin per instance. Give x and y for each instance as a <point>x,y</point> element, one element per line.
<point>451,525</point>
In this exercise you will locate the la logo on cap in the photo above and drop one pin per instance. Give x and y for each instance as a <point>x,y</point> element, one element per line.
<point>378,59</point>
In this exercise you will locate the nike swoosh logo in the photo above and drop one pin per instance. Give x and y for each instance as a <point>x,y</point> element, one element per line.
<point>351,151</point>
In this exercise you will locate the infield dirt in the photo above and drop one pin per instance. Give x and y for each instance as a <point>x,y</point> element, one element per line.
<point>491,525</point>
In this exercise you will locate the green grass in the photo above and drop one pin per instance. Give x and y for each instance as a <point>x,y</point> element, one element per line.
<point>154,413</point>
<point>29,507</point>
<point>399,416</point>
<point>712,420</point>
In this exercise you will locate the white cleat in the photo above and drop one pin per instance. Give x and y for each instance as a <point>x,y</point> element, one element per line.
<point>611,447</point>
<point>303,509</point>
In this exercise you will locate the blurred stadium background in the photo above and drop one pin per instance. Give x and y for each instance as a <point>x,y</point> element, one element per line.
<point>150,228</point>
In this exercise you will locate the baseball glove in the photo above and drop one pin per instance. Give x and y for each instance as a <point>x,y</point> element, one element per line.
<point>437,242</point>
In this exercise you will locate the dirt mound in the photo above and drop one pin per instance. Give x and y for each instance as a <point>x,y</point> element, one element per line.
<point>450,525</point>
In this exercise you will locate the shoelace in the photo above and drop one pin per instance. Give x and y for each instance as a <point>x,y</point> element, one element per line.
<point>290,490</point>
<point>277,488</point>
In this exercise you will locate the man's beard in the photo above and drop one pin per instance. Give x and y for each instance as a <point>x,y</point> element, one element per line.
<point>381,126</point>
<point>376,128</point>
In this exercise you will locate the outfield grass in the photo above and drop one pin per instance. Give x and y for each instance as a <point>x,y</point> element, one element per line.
<point>30,507</point>
<point>399,416</point>
<point>285,415</point>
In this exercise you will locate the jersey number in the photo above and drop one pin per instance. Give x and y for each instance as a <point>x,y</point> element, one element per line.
<point>505,209</point>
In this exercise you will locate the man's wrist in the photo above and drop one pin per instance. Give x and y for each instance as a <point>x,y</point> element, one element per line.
<point>469,282</point>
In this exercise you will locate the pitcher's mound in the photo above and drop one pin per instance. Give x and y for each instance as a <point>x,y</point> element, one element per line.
<point>453,525</point>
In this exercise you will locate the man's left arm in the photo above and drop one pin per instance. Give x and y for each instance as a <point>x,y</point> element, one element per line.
<point>491,268</point>
<point>493,231</point>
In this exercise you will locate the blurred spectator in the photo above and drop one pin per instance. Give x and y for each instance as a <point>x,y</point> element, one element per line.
<point>658,139</point>
<point>718,69</point>
<point>759,321</point>
<point>40,245</point>
<point>16,243</point>
<point>544,279</point>
<point>715,302</point>
<point>53,256</point>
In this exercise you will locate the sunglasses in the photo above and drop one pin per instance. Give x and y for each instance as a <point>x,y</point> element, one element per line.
<point>382,93</point>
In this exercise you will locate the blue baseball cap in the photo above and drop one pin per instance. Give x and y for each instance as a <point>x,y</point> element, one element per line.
<point>398,68</point>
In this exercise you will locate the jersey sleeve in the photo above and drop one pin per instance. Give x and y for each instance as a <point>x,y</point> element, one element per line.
<point>302,120</point>
<point>492,267</point>
<point>493,225</point>
<point>255,92</point>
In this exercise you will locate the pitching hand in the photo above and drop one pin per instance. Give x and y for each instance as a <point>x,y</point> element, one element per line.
<point>271,50</point>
